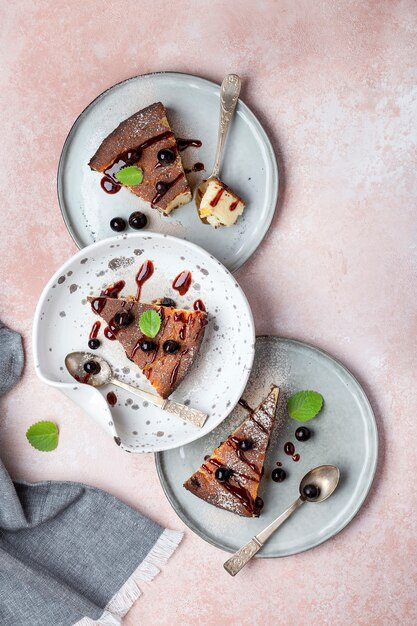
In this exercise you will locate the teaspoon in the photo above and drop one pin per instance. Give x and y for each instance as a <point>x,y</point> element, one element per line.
<point>317,485</point>
<point>75,362</point>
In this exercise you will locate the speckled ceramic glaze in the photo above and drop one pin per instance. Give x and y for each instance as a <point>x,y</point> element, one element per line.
<point>63,321</point>
<point>344,434</point>
<point>249,166</point>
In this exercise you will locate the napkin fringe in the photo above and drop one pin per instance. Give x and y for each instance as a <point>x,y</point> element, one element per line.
<point>122,601</point>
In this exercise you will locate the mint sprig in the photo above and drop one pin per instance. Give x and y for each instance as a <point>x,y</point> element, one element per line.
<point>130,175</point>
<point>150,323</point>
<point>43,436</point>
<point>304,405</point>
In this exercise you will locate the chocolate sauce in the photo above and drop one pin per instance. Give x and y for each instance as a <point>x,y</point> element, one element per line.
<point>260,425</point>
<point>234,442</point>
<point>245,405</point>
<point>109,182</point>
<point>217,197</point>
<point>174,372</point>
<point>145,272</point>
<point>183,144</point>
<point>108,333</point>
<point>296,457</point>
<point>98,304</point>
<point>289,448</point>
<point>199,305</point>
<point>111,398</point>
<point>208,470</point>
<point>197,167</point>
<point>243,495</point>
<point>167,186</point>
<point>94,331</point>
<point>279,464</point>
<point>233,206</point>
<point>110,186</point>
<point>182,282</point>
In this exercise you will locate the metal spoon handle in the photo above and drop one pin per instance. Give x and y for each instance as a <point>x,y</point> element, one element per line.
<point>229,94</point>
<point>186,413</point>
<point>244,555</point>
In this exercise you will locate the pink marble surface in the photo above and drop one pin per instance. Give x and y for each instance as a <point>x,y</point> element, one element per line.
<point>335,85</point>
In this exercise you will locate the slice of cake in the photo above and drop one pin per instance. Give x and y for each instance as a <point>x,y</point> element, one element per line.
<point>164,359</point>
<point>145,140</point>
<point>230,478</point>
<point>219,205</point>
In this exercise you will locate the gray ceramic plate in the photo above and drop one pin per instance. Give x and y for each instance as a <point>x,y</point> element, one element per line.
<point>344,434</point>
<point>249,167</point>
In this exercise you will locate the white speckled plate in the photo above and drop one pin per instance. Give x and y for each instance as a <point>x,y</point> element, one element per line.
<point>344,434</point>
<point>63,320</point>
<point>249,166</point>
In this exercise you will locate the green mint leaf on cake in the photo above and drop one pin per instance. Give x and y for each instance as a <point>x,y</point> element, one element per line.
<point>43,436</point>
<point>130,175</point>
<point>150,323</point>
<point>304,405</point>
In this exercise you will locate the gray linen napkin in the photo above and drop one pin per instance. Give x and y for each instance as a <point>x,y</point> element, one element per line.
<point>69,553</point>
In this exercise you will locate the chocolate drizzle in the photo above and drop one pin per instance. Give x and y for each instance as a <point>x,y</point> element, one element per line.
<point>109,182</point>
<point>166,187</point>
<point>94,331</point>
<point>234,442</point>
<point>111,398</point>
<point>182,282</point>
<point>98,304</point>
<point>183,144</point>
<point>145,272</point>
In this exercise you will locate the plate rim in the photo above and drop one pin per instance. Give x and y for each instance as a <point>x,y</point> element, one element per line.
<point>361,500</point>
<point>117,238</point>
<point>264,136</point>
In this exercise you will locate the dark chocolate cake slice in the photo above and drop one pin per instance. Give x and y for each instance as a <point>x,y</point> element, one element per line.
<point>164,359</point>
<point>230,477</point>
<point>145,140</point>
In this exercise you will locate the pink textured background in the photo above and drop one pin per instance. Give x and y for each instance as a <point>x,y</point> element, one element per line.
<point>335,85</point>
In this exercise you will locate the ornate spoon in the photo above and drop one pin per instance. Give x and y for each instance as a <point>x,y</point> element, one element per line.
<point>229,94</point>
<point>75,362</point>
<point>317,485</point>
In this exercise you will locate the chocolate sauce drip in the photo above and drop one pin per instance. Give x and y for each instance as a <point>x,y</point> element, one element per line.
<point>145,272</point>
<point>98,304</point>
<point>167,186</point>
<point>182,282</point>
<point>245,405</point>
<point>183,144</point>
<point>94,331</point>
<point>289,448</point>
<point>234,442</point>
<point>199,305</point>
<point>174,372</point>
<point>111,398</point>
<point>233,206</point>
<point>197,167</point>
<point>110,186</point>
<point>243,495</point>
<point>260,425</point>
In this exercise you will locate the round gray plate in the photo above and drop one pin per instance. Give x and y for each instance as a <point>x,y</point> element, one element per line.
<point>249,166</point>
<point>344,434</point>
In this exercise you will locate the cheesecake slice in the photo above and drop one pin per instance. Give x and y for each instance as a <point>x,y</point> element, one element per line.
<point>145,140</point>
<point>165,359</point>
<point>219,205</point>
<point>230,477</point>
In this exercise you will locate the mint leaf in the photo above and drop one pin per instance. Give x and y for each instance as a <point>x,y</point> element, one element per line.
<point>304,405</point>
<point>150,323</point>
<point>43,436</point>
<point>130,175</point>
